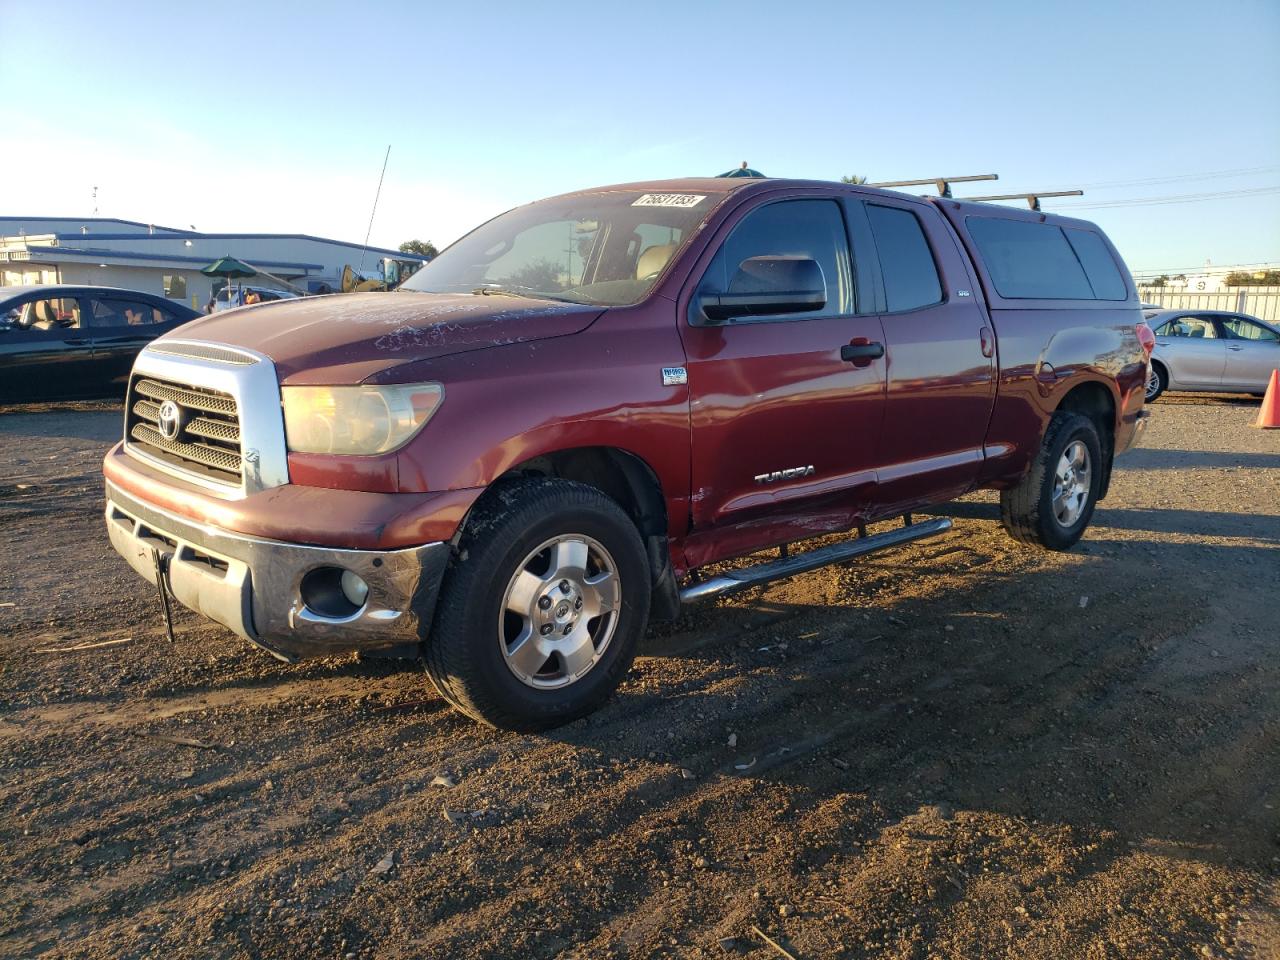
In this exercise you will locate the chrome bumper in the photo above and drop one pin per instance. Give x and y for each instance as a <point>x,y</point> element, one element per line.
<point>1140,420</point>
<point>254,586</point>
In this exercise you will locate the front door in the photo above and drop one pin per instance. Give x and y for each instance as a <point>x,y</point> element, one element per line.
<point>786,409</point>
<point>45,351</point>
<point>1253,351</point>
<point>120,328</point>
<point>941,360</point>
<point>1195,353</point>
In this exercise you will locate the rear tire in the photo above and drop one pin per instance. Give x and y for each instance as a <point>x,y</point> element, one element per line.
<point>542,606</point>
<point>1054,503</point>
<point>1157,382</point>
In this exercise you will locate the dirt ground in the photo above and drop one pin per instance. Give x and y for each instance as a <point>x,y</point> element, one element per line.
<point>963,749</point>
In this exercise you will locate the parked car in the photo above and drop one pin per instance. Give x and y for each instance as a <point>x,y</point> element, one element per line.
<point>538,442</point>
<point>61,341</point>
<point>1211,350</point>
<point>239,291</point>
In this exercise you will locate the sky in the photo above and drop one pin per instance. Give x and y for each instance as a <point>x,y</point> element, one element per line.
<point>276,116</point>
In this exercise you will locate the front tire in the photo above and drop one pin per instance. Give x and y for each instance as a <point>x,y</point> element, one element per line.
<point>542,606</point>
<point>1054,503</point>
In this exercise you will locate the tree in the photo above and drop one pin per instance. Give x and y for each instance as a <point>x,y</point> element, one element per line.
<point>1161,280</point>
<point>1261,278</point>
<point>853,178</point>
<point>423,248</point>
<point>541,275</point>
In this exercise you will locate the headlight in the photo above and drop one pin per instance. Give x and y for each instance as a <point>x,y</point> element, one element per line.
<point>359,421</point>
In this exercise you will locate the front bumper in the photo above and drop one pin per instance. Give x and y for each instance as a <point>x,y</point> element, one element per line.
<point>254,586</point>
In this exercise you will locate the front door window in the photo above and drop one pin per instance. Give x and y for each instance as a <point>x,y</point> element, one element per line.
<point>55,313</point>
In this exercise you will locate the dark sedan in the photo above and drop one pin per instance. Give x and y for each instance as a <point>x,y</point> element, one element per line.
<point>70,342</point>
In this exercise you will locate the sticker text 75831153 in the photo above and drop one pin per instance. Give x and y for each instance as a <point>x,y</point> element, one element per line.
<point>670,200</point>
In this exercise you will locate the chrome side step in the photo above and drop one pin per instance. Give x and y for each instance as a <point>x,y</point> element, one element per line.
<point>804,562</point>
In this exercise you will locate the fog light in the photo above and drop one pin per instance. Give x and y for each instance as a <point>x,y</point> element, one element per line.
<point>354,588</point>
<point>333,592</point>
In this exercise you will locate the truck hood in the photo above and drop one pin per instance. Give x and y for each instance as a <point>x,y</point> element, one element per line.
<point>346,338</point>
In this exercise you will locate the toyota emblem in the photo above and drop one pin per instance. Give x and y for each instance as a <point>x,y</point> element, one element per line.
<point>170,420</point>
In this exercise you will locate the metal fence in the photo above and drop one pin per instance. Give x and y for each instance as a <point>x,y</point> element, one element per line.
<point>1261,302</point>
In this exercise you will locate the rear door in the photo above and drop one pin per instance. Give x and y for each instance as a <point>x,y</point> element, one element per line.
<point>1190,344</point>
<point>45,353</point>
<point>1253,351</point>
<point>120,328</point>
<point>941,359</point>
<point>785,421</point>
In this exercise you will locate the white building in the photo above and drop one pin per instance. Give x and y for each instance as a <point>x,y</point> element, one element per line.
<point>167,261</point>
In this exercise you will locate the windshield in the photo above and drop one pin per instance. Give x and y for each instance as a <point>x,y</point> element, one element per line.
<point>605,248</point>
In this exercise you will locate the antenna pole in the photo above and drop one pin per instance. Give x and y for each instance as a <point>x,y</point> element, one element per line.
<point>375,208</point>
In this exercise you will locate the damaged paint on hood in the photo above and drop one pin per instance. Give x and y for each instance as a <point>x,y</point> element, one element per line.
<point>346,338</point>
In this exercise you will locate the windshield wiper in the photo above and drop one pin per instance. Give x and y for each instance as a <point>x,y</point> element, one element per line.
<point>524,292</point>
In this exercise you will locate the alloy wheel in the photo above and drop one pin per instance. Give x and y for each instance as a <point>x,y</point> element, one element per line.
<point>1071,483</point>
<point>559,611</point>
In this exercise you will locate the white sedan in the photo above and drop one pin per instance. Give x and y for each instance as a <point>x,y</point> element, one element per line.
<point>1211,350</point>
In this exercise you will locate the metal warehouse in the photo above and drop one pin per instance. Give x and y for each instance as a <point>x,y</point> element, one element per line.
<point>166,260</point>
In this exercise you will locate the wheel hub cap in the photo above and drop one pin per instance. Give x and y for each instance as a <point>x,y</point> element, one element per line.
<point>1071,483</point>
<point>559,611</point>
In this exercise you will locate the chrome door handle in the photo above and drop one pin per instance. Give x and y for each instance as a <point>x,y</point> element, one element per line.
<point>1237,349</point>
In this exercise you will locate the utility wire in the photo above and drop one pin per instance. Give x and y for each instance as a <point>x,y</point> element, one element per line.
<point>1176,178</point>
<point>1261,264</point>
<point>1172,198</point>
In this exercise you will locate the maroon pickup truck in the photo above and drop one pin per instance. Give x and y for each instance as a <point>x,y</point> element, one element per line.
<point>539,442</point>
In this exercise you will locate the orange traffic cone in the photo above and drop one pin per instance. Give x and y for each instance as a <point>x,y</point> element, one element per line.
<point>1269,415</point>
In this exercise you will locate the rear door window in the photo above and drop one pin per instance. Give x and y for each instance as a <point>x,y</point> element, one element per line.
<point>1241,328</point>
<point>906,262</point>
<point>1029,261</point>
<point>127,313</point>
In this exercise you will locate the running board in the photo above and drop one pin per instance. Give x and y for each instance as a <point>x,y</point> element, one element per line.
<point>804,562</point>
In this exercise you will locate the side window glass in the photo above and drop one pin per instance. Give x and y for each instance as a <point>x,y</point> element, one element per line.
<point>58,313</point>
<point>651,248</point>
<point>1099,266</point>
<point>755,256</point>
<point>125,313</point>
<point>906,262</point>
<point>1198,328</point>
<point>1029,261</point>
<point>1238,328</point>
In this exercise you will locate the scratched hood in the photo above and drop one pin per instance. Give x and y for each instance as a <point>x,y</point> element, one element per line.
<point>346,338</point>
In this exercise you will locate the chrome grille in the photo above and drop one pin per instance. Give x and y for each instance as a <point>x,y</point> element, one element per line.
<point>202,351</point>
<point>208,439</point>
<point>196,397</point>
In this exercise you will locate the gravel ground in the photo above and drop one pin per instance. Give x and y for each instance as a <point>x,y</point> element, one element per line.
<point>963,749</point>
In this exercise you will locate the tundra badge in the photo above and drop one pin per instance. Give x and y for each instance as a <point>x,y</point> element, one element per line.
<point>790,473</point>
<point>674,376</point>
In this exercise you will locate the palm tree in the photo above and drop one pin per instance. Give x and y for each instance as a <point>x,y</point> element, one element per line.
<point>853,178</point>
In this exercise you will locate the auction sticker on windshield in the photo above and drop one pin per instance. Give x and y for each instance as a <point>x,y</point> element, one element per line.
<point>669,200</point>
